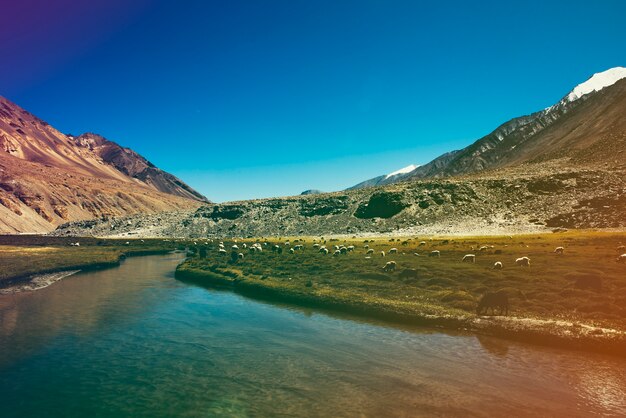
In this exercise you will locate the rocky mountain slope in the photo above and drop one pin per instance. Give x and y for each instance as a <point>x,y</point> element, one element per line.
<point>588,124</point>
<point>48,178</point>
<point>506,201</point>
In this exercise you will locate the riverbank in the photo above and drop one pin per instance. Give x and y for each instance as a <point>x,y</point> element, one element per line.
<point>550,304</point>
<point>553,333</point>
<point>33,262</point>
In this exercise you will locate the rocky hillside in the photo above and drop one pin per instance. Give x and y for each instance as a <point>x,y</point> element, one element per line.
<point>48,178</point>
<point>587,125</point>
<point>508,201</point>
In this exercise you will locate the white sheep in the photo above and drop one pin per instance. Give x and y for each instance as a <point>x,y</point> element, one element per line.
<point>393,251</point>
<point>522,261</point>
<point>240,256</point>
<point>559,250</point>
<point>621,258</point>
<point>382,253</point>
<point>469,258</point>
<point>435,253</point>
<point>389,266</point>
<point>497,265</point>
<point>370,251</point>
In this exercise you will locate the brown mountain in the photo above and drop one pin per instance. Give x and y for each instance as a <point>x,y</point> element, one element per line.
<point>587,126</point>
<point>48,178</point>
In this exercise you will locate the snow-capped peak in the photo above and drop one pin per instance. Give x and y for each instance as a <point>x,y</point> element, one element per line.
<point>404,170</point>
<point>597,82</point>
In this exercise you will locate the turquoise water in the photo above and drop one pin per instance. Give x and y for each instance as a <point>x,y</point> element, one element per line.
<point>133,341</point>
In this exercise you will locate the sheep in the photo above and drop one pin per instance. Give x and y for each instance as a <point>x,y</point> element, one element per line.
<point>240,256</point>
<point>382,253</point>
<point>350,248</point>
<point>469,258</point>
<point>435,253</point>
<point>316,246</point>
<point>343,250</point>
<point>221,251</point>
<point>621,258</point>
<point>291,251</point>
<point>323,250</point>
<point>483,248</point>
<point>366,247</point>
<point>126,243</point>
<point>234,247</point>
<point>370,251</point>
<point>389,266</point>
<point>559,250</point>
<point>405,243</point>
<point>393,251</point>
<point>422,243</point>
<point>416,254</point>
<point>337,252</point>
<point>408,274</point>
<point>497,265</point>
<point>494,300</point>
<point>298,247</point>
<point>621,249</point>
<point>522,261</point>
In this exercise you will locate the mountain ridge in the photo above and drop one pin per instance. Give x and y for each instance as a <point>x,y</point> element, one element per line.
<point>48,178</point>
<point>494,149</point>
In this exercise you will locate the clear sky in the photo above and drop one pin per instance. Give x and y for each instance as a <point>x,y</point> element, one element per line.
<point>246,99</point>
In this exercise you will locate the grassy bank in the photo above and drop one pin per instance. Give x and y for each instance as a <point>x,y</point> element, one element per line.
<point>551,302</point>
<point>23,256</point>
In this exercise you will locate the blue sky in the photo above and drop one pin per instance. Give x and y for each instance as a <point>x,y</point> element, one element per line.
<point>247,99</point>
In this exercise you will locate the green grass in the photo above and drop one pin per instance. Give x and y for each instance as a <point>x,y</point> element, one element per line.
<point>445,285</point>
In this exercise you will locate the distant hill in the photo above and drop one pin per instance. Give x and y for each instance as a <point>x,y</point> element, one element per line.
<point>311,191</point>
<point>385,178</point>
<point>48,178</point>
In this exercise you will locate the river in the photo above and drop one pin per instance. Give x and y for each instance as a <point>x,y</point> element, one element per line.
<point>134,341</point>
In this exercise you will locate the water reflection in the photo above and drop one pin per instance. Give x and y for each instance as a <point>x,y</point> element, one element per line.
<point>496,346</point>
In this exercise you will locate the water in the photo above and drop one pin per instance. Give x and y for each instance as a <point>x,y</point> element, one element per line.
<point>133,341</point>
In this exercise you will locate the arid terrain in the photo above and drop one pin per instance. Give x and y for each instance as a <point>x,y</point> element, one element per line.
<point>48,178</point>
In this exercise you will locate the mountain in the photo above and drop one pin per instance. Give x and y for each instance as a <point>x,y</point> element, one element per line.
<point>48,178</point>
<point>585,126</point>
<point>385,178</point>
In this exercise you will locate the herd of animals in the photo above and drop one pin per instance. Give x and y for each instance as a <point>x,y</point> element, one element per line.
<point>490,301</point>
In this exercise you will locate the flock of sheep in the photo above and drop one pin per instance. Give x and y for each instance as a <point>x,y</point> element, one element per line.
<point>490,300</point>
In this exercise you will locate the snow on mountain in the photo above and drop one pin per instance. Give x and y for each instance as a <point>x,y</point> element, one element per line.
<point>597,82</point>
<point>404,170</point>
